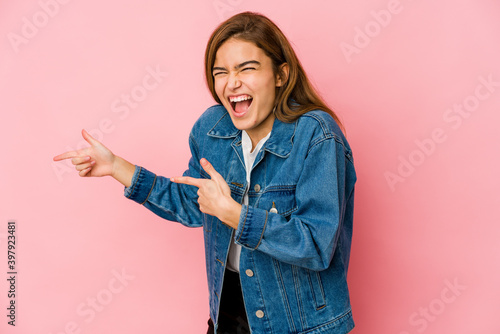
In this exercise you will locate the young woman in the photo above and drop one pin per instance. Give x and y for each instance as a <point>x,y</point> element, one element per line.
<point>271,180</point>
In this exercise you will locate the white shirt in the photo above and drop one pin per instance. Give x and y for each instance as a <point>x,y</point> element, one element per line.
<point>233,258</point>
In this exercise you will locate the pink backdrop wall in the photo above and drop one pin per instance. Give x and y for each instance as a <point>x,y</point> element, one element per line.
<point>416,83</point>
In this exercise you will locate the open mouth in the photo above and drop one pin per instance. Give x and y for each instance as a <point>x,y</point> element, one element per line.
<point>240,104</point>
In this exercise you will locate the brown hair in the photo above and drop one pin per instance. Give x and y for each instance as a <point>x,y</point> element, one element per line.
<point>296,96</point>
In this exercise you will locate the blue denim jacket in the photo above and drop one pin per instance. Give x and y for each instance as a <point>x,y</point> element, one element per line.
<point>293,263</point>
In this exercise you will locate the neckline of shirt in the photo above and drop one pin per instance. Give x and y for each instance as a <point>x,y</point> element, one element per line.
<point>246,143</point>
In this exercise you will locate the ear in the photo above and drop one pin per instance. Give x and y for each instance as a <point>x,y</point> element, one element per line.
<point>282,76</point>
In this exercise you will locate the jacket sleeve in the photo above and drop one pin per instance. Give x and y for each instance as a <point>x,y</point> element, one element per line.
<point>309,237</point>
<point>169,200</point>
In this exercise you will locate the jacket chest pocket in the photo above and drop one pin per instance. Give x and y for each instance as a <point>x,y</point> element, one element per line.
<point>278,199</point>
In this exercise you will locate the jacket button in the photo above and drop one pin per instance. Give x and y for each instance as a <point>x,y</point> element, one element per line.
<point>249,272</point>
<point>259,314</point>
<point>256,188</point>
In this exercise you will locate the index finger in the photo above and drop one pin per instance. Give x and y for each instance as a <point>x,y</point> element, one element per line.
<point>66,155</point>
<point>188,180</point>
<point>209,168</point>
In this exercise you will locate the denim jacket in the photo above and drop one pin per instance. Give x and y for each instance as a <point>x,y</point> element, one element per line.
<point>293,263</point>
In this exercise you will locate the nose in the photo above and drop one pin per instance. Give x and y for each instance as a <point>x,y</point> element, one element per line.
<point>234,81</point>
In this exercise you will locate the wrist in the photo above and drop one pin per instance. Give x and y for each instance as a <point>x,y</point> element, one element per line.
<point>115,166</point>
<point>122,171</point>
<point>232,213</point>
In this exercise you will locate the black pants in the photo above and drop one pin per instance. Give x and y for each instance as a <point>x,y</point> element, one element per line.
<point>232,315</point>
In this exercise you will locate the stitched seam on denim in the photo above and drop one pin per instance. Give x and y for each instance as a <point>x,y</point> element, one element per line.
<point>289,212</point>
<point>205,224</point>
<point>351,194</point>
<point>312,289</point>
<point>277,270</point>
<point>237,153</point>
<point>220,119</point>
<point>347,152</point>
<point>277,154</point>
<point>197,152</point>
<point>279,188</point>
<point>219,261</point>
<point>195,144</point>
<point>150,190</point>
<point>341,142</point>
<point>177,218</point>
<point>320,121</point>
<point>320,283</point>
<point>315,143</point>
<point>334,321</point>
<point>326,131</point>
<point>244,221</point>
<point>263,229</point>
<point>261,154</point>
<point>323,125</point>
<point>296,284</point>
<point>256,272</point>
<point>316,302</point>
<point>236,190</point>
<point>133,186</point>
<point>291,143</point>
<point>329,135</point>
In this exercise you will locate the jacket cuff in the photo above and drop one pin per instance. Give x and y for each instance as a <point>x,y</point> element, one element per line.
<point>251,227</point>
<point>142,185</point>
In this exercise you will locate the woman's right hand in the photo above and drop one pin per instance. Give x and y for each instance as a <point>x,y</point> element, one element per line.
<point>96,160</point>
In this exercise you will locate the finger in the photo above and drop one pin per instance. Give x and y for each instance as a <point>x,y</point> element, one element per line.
<point>207,166</point>
<point>91,140</point>
<point>80,160</point>
<point>85,171</point>
<point>66,155</point>
<point>82,167</point>
<point>188,180</point>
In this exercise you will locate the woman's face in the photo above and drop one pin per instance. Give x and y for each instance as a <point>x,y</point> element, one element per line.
<point>246,84</point>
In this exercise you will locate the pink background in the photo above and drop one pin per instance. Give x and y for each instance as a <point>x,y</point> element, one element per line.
<point>426,254</point>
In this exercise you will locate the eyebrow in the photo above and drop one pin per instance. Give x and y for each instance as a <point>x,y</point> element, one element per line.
<point>237,67</point>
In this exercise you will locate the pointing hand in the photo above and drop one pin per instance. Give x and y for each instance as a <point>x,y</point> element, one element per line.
<point>96,160</point>
<point>214,195</point>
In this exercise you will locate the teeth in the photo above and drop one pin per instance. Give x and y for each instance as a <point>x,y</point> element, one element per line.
<point>240,98</point>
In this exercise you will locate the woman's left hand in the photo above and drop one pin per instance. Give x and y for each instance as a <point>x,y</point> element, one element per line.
<point>214,195</point>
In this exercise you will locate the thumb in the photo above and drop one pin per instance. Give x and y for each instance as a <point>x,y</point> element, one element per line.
<point>91,140</point>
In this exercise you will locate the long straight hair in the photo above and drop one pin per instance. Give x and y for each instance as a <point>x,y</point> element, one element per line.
<point>297,95</point>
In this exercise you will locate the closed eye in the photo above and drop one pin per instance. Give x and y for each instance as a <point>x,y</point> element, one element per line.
<point>218,73</point>
<point>218,70</point>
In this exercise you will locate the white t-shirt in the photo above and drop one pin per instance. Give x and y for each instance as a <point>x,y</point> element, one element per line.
<point>233,258</point>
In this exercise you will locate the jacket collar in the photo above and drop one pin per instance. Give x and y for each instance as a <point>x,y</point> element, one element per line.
<point>279,143</point>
